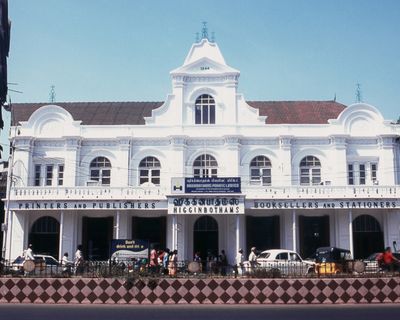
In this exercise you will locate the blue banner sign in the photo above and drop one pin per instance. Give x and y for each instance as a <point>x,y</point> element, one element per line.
<point>213,185</point>
<point>129,249</point>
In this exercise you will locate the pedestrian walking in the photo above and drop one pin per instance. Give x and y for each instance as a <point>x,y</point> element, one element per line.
<point>78,261</point>
<point>173,261</point>
<point>28,254</point>
<point>253,259</point>
<point>239,262</point>
<point>166,261</point>
<point>223,262</point>
<point>66,265</point>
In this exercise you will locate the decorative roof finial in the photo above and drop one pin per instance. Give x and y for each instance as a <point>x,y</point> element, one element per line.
<point>52,95</point>
<point>213,36</point>
<point>358,93</point>
<point>204,31</point>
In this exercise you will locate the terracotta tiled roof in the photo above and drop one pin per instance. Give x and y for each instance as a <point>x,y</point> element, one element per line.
<point>298,112</point>
<point>119,113</point>
<point>94,113</point>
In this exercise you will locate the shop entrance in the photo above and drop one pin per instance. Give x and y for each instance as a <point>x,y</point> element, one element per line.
<point>262,233</point>
<point>205,237</point>
<point>150,229</point>
<point>45,236</point>
<point>97,234</point>
<point>313,234</point>
<point>367,236</point>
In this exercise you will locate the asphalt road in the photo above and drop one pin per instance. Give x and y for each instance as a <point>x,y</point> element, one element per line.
<point>198,312</point>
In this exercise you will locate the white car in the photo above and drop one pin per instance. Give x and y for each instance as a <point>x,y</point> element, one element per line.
<point>285,262</point>
<point>44,264</point>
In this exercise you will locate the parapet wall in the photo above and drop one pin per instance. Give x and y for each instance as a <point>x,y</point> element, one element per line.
<point>199,291</point>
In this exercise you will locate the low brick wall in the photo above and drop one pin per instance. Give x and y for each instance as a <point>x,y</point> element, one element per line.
<point>199,291</point>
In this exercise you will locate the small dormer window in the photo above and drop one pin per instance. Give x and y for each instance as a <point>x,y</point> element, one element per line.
<point>205,110</point>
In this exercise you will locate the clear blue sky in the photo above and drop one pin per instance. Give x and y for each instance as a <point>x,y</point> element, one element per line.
<point>121,50</point>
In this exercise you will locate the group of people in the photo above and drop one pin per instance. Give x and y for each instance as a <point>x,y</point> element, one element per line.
<point>239,267</point>
<point>165,262</point>
<point>77,264</point>
<point>213,263</point>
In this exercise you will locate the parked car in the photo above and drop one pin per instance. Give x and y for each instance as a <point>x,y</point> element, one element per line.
<point>285,262</point>
<point>371,264</point>
<point>44,264</point>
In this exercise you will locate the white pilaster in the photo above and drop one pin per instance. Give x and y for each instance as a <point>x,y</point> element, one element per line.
<point>232,153</point>
<point>60,245</point>
<point>123,161</point>
<point>117,224</point>
<point>71,165</point>
<point>351,246</point>
<point>294,233</point>
<point>285,166</point>
<point>386,165</point>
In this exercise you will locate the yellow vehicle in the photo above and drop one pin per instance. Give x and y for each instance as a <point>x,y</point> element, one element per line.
<point>331,260</point>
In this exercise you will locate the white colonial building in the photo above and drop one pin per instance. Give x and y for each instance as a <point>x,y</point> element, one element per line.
<point>312,173</point>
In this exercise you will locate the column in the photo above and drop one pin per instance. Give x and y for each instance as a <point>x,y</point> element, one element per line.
<point>181,239</point>
<point>294,235</point>
<point>237,230</point>
<point>336,176</point>
<point>174,232</point>
<point>123,226</point>
<point>60,245</point>
<point>123,164</point>
<point>386,169</point>
<point>21,160</point>
<point>17,230</point>
<point>285,167</point>
<point>68,225</point>
<point>72,155</point>
<point>231,156</point>
<point>351,248</point>
<point>117,224</point>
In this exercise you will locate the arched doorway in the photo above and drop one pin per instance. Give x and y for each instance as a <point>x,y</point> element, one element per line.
<point>45,236</point>
<point>367,236</point>
<point>205,237</point>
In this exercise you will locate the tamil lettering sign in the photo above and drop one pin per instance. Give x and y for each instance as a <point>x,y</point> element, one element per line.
<point>128,249</point>
<point>205,185</point>
<point>212,205</point>
<point>88,205</point>
<point>322,204</point>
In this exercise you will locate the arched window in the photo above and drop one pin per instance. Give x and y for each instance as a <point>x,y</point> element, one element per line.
<point>205,110</point>
<point>260,171</point>
<point>100,171</point>
<point>310,171</point>
<point>205,166</point>
<point>45,236</point>
<point>149,171</point>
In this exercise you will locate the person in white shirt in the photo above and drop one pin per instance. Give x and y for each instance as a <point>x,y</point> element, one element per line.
<point>253,258</point>
<point>239,261</point>
<point>29,253</point>
<point>78,260</point>
<point>66,264</point>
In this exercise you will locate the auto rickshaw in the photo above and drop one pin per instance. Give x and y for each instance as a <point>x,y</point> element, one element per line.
<point>331,260</point>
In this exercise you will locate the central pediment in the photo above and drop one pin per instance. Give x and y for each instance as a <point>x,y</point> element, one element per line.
<point>204,66</point>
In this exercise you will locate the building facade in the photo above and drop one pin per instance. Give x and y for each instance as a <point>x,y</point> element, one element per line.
<point>312,173</point>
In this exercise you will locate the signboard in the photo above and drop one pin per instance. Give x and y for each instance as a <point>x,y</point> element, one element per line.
<point>322,204</point>
<point>88,205</point>
<point>128,249</point>
<point>205,185</point>
<point>211,205</point>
